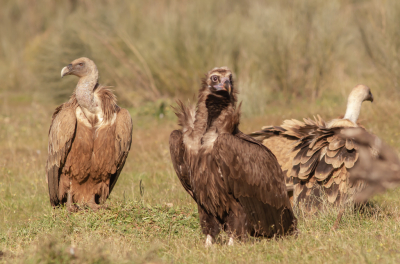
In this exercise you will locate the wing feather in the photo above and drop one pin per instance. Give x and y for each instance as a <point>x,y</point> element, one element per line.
<point>256,180</point>
<point>123,141</point>
<point>177,151</point>
<point>61,135</point>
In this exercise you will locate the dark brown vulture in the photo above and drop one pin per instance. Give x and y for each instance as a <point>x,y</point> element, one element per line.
<point>381,171</point>
<point>89,140</point>
<point>235,180</point>
<point>315,159</point>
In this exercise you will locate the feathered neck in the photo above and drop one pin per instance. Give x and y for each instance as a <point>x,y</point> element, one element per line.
<point>215,110</point>
<point>85,90</point>
<point>200,120</point>
<point>353,109</point>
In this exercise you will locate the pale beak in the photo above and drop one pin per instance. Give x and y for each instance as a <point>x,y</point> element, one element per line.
<point>64,71</point>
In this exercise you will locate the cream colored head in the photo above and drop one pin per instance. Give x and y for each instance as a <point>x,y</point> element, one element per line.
<point>80,67</point>
<point>358,95</point>
<point>361,93</point>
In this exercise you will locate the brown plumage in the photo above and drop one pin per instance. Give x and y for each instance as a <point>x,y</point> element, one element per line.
<point>89,140</point>
<point>381,171</point>
<point>315,159</point>
<point>235,180</point>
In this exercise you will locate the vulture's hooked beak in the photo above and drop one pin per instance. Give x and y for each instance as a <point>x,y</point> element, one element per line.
<point>370,98</point>
<point>225,84</point>
<point>66,70</point>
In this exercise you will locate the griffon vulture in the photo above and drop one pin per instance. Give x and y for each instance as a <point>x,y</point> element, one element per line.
<point>315,159</point>
<point>89,140</point>
<point>235,180</point>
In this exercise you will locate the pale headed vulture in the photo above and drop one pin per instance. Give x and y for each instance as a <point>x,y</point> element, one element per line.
<point>315,159</point>
<point>236,182</point>
<point>89,140</point>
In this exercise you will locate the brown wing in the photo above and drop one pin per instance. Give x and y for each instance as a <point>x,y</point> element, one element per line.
<point>321,166</point>
<point>123,141</point>
<point>378,164</point>
<point>208,222</point>
<point>177,151</point>
<point>282,147</point>
<point>254,177</point>
<point>61,134</point>
<point>281,141</point>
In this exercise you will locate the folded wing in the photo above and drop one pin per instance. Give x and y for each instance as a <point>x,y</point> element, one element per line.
<point>254,177</point>
<point>123,141</point>
<point>61,135</point>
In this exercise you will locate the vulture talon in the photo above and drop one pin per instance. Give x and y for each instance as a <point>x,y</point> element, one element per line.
<point>209,241</point>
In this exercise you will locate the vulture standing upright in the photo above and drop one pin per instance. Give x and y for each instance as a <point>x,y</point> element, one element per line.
<point>89,140</point>
<point>315,159</point>
<point>236,182</point>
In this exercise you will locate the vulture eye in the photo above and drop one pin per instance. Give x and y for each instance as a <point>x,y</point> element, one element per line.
<point>80,64</point>
<point>214,78</point>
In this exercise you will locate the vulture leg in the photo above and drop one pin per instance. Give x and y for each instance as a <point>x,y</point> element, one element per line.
<point>339,217</point>
<point>103,197</point>
<point>209,241</point>
<point>92,203</point>
<point>70,206</point>
<point>209,226</point>
<point>236,226</point>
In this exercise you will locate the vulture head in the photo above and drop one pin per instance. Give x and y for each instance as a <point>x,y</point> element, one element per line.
<point>358,95</point>
<point>219,94</point>
<point>81,67</point>
<point>361,93</point>
<point>219,82</point>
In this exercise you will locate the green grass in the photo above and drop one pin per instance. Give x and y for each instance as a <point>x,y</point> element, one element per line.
<point>137,232</point>
<point>160,225</point>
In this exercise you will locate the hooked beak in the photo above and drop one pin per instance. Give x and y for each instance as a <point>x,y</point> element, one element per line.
<point>370,98</point>
<point>225,84</point>
<point>66,70</point>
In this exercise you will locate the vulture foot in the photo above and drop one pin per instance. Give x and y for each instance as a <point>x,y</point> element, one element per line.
<point>73,208</point>
<point>94,206</point>
<point>209,240</point>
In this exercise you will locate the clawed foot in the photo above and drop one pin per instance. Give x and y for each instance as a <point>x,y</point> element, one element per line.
<point>209,240</point>
<point>73,208</point>
<point>95,207</point>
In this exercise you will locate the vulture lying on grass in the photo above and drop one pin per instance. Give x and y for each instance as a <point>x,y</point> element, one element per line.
<point>315,158</point>
<point>235,180</point>
<point>89,140</point>
<point>379,172</point>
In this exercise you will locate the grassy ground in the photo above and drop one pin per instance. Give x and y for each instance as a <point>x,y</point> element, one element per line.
<point>291,59</point>
<point>160,224</point>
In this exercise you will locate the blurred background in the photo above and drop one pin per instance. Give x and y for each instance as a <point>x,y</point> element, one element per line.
<point>291,59</point>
